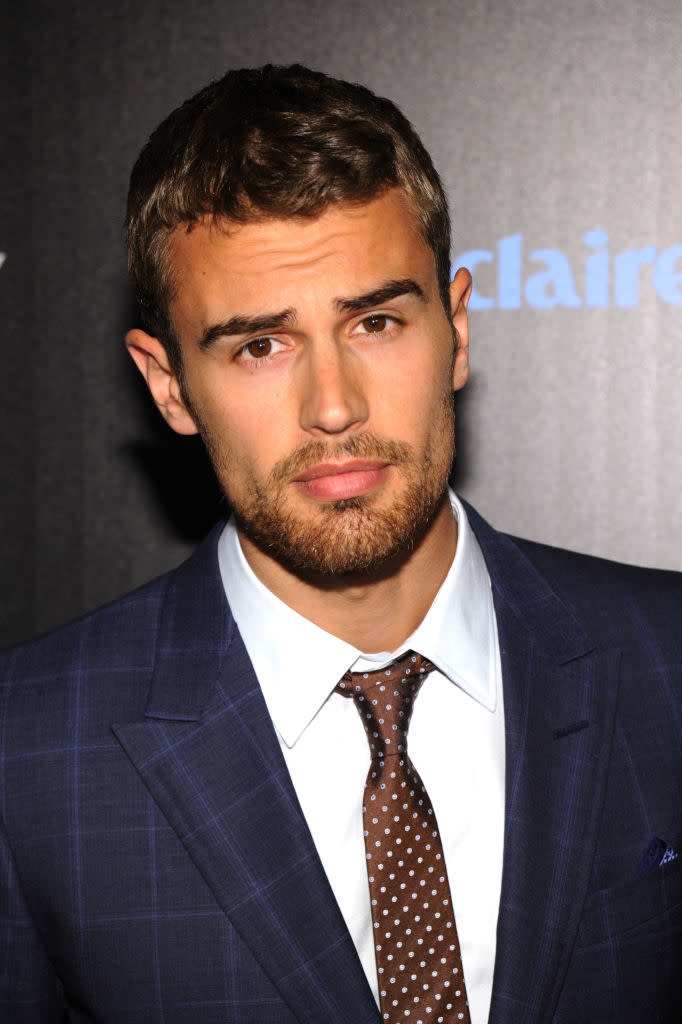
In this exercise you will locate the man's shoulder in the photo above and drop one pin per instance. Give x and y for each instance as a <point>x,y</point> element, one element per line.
<point>631,607</point>
<point>120,635</point>
<point>581,571</point>
<point>615,602</point>
<point>65,689</point>
<point>106,627</point>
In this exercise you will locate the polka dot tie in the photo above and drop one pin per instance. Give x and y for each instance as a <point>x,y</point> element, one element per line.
<point>415,940</point>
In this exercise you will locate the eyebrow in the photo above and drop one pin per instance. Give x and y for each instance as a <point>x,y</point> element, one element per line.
<point>240,325</point>
<point>237,325</point>
<point>388,291</point>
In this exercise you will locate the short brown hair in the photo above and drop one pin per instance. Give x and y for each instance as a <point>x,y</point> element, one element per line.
<point>271,142</point>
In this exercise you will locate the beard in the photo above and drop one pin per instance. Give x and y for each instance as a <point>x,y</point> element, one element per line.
<point>356,536</point>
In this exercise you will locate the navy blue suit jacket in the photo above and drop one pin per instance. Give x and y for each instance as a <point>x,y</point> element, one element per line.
<point>159,868</point>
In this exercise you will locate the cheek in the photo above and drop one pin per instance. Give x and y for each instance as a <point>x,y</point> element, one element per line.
<point>425,394</point>
<point>245,441</point>
<point>240,405</point>
<point>424,369</point>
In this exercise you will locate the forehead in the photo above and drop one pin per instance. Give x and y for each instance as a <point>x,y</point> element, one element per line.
<point>347,247</point>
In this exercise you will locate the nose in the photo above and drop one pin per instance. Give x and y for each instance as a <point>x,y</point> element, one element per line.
<point>333,394</point>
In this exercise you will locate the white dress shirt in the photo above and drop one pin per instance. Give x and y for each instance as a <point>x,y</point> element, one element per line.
<point>456,741</point>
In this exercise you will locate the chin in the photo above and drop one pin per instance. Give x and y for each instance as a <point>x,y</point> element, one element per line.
<point>345,538</point>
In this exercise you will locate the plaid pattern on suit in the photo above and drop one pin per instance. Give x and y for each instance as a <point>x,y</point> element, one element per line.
<point>159,868</point>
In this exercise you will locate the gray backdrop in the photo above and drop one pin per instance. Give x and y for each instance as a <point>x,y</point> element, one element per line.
<point>555,128</point>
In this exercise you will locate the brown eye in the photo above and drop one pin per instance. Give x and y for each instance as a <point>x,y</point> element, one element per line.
<point>259,348</point>
<point>375,323</point>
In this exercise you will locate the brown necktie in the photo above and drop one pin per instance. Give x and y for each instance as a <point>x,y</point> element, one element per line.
<point>415,940</point>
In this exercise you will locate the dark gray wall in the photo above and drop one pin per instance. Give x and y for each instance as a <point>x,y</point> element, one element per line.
<point>546,121</point>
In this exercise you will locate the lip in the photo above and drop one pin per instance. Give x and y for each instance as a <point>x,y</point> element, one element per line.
<point>334,481</point>
<point>338,468</point>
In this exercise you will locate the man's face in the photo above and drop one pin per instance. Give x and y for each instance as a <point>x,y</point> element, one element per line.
<point>320,366</point>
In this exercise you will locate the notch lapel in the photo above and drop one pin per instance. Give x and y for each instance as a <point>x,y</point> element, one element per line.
<point>209,755</point>
<point>559,699</point>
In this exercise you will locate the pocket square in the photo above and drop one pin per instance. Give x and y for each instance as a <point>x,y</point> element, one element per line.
<point>657,853</point>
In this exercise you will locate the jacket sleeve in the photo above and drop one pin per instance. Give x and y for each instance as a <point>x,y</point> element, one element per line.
<point>30,991</point>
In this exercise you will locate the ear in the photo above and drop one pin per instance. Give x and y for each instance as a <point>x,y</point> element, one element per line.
<point>460,293</point>
<point>152,361</point>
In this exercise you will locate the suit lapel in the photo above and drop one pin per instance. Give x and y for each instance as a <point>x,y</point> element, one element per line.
<point>559,698</point>
<point>209,755</point>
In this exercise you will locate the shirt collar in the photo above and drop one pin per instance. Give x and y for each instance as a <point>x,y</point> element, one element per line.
<point>458,634</point>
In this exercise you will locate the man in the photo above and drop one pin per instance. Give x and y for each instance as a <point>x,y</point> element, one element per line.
<point>188,830</point>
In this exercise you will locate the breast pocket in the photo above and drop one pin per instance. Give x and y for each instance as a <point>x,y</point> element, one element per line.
<point>625,966</point>
<point>640,904</point>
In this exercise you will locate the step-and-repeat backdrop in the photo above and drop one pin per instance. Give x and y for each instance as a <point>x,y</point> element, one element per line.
<point>556,128</point>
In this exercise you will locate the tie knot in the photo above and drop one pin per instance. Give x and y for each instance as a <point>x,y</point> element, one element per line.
<point>384,699</point>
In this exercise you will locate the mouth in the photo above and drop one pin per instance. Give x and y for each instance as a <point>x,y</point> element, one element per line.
<point>334,481</point>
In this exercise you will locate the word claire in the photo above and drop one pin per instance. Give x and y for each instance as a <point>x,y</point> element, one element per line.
<point>607,280</point>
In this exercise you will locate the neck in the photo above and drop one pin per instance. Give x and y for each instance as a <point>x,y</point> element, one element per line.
<point>376,613</point>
